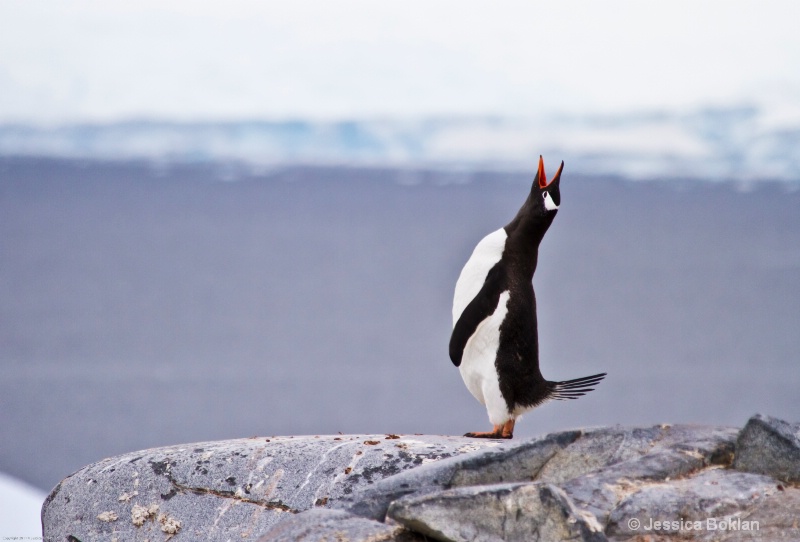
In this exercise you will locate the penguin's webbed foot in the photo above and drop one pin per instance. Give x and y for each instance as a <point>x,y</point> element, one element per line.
<point>501,431</point>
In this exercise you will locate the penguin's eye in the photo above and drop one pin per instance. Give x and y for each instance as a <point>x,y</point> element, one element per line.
<point>549,204</point>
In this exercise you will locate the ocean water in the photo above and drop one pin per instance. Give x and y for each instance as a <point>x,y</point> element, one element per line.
<point>144,305</point>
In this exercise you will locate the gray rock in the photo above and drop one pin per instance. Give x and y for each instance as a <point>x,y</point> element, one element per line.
<point>605,447</point>
<point>692,506</point>
<point>336,525</point>
<point>507,462</point>
<point>597,448</point>
<point>597,469</point>
<point>655,452</point>
<point>776,518</point>
<point>769,446</point>
<point>229,489</point>
<point>577,485</point>
<point>678,451</point>
<point>499,512</point>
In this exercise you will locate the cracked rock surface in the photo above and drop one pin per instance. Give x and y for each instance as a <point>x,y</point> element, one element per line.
<point>229,490</point>
<point>659,483</point>
<point>337,526</point>
<point>666,482</point>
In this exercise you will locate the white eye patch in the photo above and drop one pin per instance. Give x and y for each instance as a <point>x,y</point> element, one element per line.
<point>549,204</point>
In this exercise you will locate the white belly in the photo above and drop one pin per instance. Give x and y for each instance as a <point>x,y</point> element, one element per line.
<point>486,254</point>
<point>477,364</point>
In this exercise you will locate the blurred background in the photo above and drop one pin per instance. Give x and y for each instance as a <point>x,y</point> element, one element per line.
<point>227,220</point>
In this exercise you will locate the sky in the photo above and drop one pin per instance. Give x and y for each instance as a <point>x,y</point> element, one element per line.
<point>101,61</point>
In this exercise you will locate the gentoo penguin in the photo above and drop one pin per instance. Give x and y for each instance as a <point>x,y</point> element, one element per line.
<point>495,342</point>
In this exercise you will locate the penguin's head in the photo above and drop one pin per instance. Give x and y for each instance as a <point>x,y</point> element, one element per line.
<point>546,197</point>
<point>540,208</point>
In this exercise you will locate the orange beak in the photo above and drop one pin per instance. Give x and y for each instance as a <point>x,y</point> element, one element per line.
<point>540,174</point>
<point>542,177</point>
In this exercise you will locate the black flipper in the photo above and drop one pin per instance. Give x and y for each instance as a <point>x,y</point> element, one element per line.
<point>482,306</point>
<point>572,389</point>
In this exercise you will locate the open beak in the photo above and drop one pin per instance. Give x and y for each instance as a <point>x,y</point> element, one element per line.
<point>541,177</point>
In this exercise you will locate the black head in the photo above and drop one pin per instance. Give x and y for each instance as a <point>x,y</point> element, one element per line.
<point>539,210</point>
<point>549,194</point>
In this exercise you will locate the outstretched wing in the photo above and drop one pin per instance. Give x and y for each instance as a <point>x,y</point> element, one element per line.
<point>480,308</point>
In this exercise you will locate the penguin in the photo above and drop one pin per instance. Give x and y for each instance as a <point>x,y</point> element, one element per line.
<point>495,342</point>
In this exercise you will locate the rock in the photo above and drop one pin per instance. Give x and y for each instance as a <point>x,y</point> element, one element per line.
<point>230,489</point>
<point>655,452</point>
<point>673,453</point>
<point>336,525</point>
<point>691,504</point>
<point>596,469</point>
<point>498,512</point>
<point>776,518</point>
<point>501,463</point>
<point>622,484</point>
<point>769,446</point>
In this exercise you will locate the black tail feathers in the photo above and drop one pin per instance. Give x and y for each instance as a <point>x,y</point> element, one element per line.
<point>572,389</point>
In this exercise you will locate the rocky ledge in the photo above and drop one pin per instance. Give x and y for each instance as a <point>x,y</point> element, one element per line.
<point>667,482</point>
